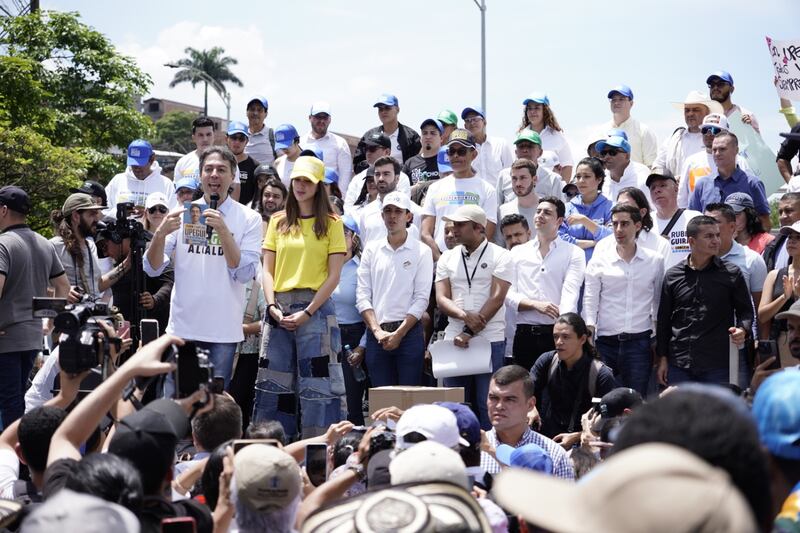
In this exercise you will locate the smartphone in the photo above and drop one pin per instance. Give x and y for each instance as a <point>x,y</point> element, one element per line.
<point>148,330</point>
<point>596,404</point>
<point>124,331</point>
<point>767,349</point>
<point>193,370</point>
<point>238,444</point>
<point>180,524</point>
<point>317,463</point>
<point>48,307</point>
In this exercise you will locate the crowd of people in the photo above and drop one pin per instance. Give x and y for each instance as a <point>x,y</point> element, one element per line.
<point>629,313</point>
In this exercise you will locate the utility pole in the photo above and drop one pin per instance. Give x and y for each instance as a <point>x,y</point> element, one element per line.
<point>482,6</point>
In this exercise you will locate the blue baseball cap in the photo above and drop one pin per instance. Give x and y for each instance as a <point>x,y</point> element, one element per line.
<point>331,176</point>
<point>350,223</point>
<point>722,75</point>
<point>386,99</point>
<point>435,122</point>
<point>468,425</point>
<point>623,90</point>
<point>539,98</point>
<point>530,456</point>
<point>260,99</point>
<point>617,132</point>
<point>238,127</point>
<point>443,160</point>
<point>475,109</point>
<point>187,183</point>
<point>776,409</point>
<point>285,135</point>
<point>139,152</point>
<point>614,142</point>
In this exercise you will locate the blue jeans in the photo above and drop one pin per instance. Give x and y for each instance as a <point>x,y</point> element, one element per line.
<point>630,359</point>
<point>221,354</point>
<point>476,387</point>
<point>301,367</point>
<point>15,368</point>
<point>401,366</point>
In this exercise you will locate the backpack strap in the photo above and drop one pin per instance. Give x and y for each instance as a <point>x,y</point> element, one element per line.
<point>594,372</point>
<point>271,135</point>
<point>672,222</point>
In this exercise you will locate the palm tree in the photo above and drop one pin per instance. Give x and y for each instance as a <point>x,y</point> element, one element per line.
<point>207,66</point>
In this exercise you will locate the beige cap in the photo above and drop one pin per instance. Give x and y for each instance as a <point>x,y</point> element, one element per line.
<point>79,202</point>
<point>651,487</point>
<point>467,213</point>
<point>267,478</point>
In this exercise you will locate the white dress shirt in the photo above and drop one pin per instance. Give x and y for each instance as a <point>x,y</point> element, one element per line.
<point>335,153</point>
<point>394,283</point>
<point>357,183</point>
<point>557,142</point>
<point>622,297</point>
<point>644,143</point>
<point>649,240</point>
<point>494,154</point>
<point>557,277</point>
<point>635,175</point>
<point>371,226</point>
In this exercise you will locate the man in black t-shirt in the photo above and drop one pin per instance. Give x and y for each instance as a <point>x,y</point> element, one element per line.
<point>423,166</point>
<point>236,139</point>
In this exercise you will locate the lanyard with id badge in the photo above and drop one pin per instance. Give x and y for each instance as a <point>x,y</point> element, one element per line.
<point>469,300</point>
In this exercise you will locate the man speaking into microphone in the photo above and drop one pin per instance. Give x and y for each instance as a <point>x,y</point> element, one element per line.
<point>209,295</point>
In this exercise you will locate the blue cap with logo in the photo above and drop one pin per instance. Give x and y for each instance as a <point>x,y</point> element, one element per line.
<point>285,135</point>
<point>386,99</point>
<point>721,75</point>
<point>614,142</point>
<point>435,122</point>
<point>260,99</point>
<point>468,426</point>
<point>443,161</point>
<point>238,127</point>
<point>538,98</point>
<point>622,90</point>
<point>350,223</point>
<point>478,110</point>
<point>776,408</point>
<point>187,183</point>
<point>139,152</point>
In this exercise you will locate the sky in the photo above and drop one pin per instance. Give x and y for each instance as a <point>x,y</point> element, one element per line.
<point>428,53</point>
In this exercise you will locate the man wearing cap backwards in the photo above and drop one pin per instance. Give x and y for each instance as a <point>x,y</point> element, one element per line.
<point>720,87</point>
<point>622,171</point>
<point>528,145</point>
<point>463,187</point>
<point>287,141</point>
<point>644,144</point>
<point>236,139</point>
<point>141,177</point>
<point>371,223</point>
<point>209,279</point>
<point>471,285</point>
<point>728,179</point>
<point>261,143</point>
<point>335,150</point>
<point>685,141</point>
<point>28,264</point>
<point>394,281</point>
<point>669,220</point>
<point>424,166</point>
<point>376,146</point>
<point>494,153</point>
<point>404,141</point>
<point>450,122</point>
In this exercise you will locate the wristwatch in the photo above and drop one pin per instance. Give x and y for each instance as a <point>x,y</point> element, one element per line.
<point>358,470</point>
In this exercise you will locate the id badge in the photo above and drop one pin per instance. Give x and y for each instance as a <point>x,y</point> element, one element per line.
<point>469,302</point>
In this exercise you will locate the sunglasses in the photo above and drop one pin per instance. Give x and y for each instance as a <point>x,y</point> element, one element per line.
<point>160,208</point>
<point>461,152</point>
<point>713,130</point>
<point>611,151</point>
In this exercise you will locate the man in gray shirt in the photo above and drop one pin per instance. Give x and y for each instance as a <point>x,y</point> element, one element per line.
<point>28,263</point>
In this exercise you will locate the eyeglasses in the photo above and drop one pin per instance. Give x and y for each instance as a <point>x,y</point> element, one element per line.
<point>717,83</point>
<point>713,130</point>
<point>160,208</point>
<point>461,152</point>
<point>473,120</point>
<point>611,151</point>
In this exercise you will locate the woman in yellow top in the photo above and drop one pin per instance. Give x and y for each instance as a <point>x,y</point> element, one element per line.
<point>304,250</point>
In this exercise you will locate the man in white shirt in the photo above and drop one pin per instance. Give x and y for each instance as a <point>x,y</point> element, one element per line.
<point>528,145</point>
<point>644,144</point>
<point>261,144</point>
<point>494,153</point>
<point>463,187</point>
<point>720,87</point>
<point>209,293</point>
<point>371,224</point>
<point>670,220</point>
<point>620,302</point>
<point>622,171</point>
<point>394,286</point>
<point>523,182</point>
<point>335,150</point>
<point>376,145</point>
<point>188,166</point>
<point>471,285</point>
<point>548,274</point>
<point>685,141</point>
<point>141,177</point>
<point>288,143</point>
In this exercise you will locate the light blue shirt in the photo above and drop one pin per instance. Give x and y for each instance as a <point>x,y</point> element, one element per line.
<point>598,211</point>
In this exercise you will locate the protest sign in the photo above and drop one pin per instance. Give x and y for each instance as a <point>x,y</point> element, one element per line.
<point>786,62</point>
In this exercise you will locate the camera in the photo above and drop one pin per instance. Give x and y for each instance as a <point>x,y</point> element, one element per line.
<point>120,228</point>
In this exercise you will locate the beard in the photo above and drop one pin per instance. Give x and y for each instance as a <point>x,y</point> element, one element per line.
<point>86,229</point>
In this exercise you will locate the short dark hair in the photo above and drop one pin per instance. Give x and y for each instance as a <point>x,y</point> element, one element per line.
<point>561,209</point>
<point>790,197</point>
<point>223,422</point>
<point>268,429</point>
<point>729,135</point>
<point>633,211</point>
<point>278,184</point>
<point>723,209</point>
<point>513,373</point>
<point>345,446</point>
<point>224,152</point>
<point>388,160</point>
<point>715,425</point>
<point>514,218</point>
<point>36,429</point>
<point>693,227</point>
<point>523,162</point>
<point>203,122</point>
<point>110,477</point>
<point>641,202</point>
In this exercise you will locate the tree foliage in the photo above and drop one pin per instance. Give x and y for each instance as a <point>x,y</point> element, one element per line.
<point>174,132</point>
<point>213,63</point>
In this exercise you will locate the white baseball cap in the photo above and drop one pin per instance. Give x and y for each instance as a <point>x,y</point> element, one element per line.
<point>397,199</point>
<point>433,422</point>
<point>427,462</point>
<point>154,199</point>
<point>717,120</point>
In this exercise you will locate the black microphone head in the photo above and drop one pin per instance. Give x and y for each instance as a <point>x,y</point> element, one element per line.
<point>214,200</point>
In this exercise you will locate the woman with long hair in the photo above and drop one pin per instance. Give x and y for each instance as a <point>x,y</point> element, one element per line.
<point>304,250</point>
<point>537,115</point>
<point>589,213</point>
<point>750,230</point>
<point>156,208</point>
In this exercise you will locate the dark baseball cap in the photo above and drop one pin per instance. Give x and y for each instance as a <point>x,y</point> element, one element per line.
<point>378,139</point>
<point>658,177</point>
<point>92,188</point>
<point>15,199</point>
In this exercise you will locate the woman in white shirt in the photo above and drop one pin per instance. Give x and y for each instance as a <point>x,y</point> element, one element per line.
<point>539,117</point>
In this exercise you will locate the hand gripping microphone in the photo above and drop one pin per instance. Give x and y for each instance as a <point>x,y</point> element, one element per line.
<point>214,200</point>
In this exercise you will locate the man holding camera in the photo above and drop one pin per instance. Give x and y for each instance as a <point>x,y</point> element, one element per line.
<point>209,291</point>
<point>28,263</point>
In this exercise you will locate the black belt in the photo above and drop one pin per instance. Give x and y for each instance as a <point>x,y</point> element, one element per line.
<point>628,336</point>
<point>391,326</point>
<point>536,329</point>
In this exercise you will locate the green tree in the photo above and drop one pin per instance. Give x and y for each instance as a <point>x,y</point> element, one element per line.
<point>69,93</point>
<point>207,66</point>
<point>174,132</point>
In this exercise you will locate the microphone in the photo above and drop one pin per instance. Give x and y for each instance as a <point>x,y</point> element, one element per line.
<point>214,200</point>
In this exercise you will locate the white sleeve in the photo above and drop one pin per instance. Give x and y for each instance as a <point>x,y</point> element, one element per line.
<point>570,292</point>
<point>591,293</point>
<point>364,287</point>
<point>42,384</point>
<point>344,163</point>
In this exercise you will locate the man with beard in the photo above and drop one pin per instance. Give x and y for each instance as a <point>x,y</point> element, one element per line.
<point>423,166</point>
<point>335,151</point>
<point>528,145</point>
<point>273,198</point>
<point>370,222</point>
<point>523,181</point>
<point>236,139</point>
<point>720,86</point>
